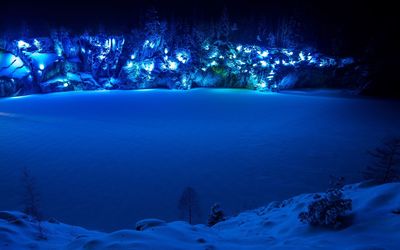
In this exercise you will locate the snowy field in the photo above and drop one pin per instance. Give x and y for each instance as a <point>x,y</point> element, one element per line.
<point>104,160</point>
<point>375,225</point>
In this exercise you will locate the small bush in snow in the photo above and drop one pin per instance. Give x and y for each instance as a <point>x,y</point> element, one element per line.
<point>329,209</point>
<point>216,215</point>
<point>386,162</point>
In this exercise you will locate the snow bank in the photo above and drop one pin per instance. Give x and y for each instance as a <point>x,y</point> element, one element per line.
<point>276,226</point>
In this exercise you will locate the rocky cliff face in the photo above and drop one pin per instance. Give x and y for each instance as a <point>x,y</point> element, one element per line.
<point>116,62</point>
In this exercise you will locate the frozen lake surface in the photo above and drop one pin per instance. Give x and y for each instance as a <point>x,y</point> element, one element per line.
<point>104,160</point>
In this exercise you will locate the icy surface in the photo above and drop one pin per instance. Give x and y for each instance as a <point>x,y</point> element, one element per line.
<point>275,226</point>
<point>105,160</point>
<point>12,66</point>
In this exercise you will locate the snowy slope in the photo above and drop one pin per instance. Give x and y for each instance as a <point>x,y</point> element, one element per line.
<point>275,226</point>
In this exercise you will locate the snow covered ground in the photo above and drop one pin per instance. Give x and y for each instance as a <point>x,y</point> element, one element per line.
<point>104,160</point>
<point>276,226</point>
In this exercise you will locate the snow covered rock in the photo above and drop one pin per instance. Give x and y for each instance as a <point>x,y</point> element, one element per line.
<point>148,223</point>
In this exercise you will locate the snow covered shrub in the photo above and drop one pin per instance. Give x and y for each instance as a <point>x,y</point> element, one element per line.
<point>329,209</point>
<point>216,215</point>
<point>386,162</point>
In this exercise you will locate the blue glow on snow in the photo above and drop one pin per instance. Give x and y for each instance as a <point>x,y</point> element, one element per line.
<point>182,56</point>
<point>247,50</point>
<point>23,45</point>
<point>172,65</point>
<point>41,66</point>
<point>263,63</point>
<point>213,63</point>
<point>301,56</point>
<point>129,64</point>
<point>263,54</point>
<point>148,66</point>
<point>37,44</point>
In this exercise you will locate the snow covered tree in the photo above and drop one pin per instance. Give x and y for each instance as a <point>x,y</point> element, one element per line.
<point>386,162</point>
<point>216,215</point>
<point>329,209</point>
<point>189,204</point>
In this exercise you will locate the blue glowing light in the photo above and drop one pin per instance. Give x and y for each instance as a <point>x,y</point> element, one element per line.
<point>247,50</point>
<point>37,44</point>
<point>301,56</point>
<point>172,65</point>
<point>263,54</point>
<point>263,63</point>
<point>148,66</point>
<point>23,45</point>
<point>213,63</point>
<point>250,64</point>
<point>183,56</point>
<point>129,64</point>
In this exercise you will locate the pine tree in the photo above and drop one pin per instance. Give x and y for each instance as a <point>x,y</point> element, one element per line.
<point>189,204</point>
<point>386,162</point>
<point>216,215</point>
<point>224,26</point>
<point>30,198</point>
<point>329,209</point>
<point>31,201</point>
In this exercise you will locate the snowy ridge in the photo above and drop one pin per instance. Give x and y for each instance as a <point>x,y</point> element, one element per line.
<point>376,224</point>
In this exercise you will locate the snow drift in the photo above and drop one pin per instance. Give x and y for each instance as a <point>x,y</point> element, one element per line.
<point>276,226</point>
